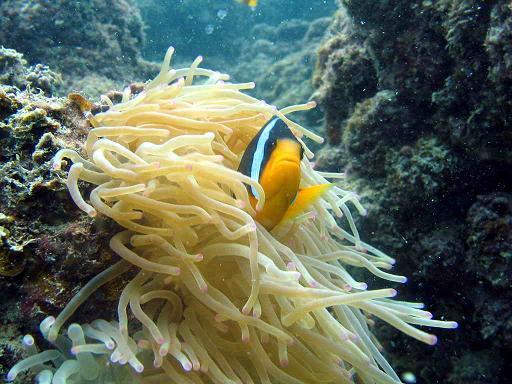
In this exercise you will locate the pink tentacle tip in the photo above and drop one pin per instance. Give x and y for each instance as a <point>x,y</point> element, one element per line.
<point>241,204</point>
<point>284,363</point>
<point>393,292</point>
<point>139,368</point>
<point>110,345</point>
<point>454,324</point>
<point>160,341</point>
<point>313,284</point>
<point>74,351</point>
<point>199,257</point>
<point>187,366</point>
<point>246,339</point>
<point>291,266</point>
<point>178,271</point>
<point>246,311</point>
<point>204,289</point>
<point>157,364</point>
<point>353,337</point>
<point>188,167</point>
<point>218,318</point>
<point>28,340</point>
<point>92,213</point>
<point>363,286</point>
<point>432,340</point>
<point>429,315</point>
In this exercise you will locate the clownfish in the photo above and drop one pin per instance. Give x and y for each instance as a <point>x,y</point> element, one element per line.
<point>250,3</point>
<point>273,159</point>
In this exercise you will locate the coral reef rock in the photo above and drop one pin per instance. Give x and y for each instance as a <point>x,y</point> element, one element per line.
<point>417,100</point>
<point>47,249</point>
<point>96,39</point>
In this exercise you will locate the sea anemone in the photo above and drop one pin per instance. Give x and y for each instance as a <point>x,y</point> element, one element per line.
<point>217,298</point>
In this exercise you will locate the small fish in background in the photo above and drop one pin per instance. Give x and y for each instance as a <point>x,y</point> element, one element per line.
<point>273,159</point>
<point>250,3</point>
<point>409,378</point>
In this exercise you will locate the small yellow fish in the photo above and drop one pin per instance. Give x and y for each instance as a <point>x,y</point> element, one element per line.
<point>250,3</point>
<point>273,158</point>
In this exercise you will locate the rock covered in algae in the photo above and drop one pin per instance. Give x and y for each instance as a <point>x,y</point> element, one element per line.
<point>14,71</point>
<point>93,43</point>
<point>47,249</point>
<point>418,101</point>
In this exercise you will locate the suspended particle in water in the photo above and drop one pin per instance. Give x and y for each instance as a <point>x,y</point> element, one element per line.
<point>222,13</point>
<point>209,29</point>
<point>409,378</point>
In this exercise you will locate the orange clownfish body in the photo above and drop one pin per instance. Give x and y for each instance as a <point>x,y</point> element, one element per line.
<point>273,159</point>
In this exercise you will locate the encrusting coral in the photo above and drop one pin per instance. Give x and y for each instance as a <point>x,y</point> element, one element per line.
<point>218,298</point>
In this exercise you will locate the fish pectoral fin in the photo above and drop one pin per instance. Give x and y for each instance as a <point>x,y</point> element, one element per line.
<point>305,197</point>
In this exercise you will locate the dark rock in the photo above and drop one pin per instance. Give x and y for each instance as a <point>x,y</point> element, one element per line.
<point>429,150</point>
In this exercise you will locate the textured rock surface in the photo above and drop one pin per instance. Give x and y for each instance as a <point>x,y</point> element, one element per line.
<point>48,250</point>
<point>14,71</point>
<point>94,42</point>
<point>418,102</point>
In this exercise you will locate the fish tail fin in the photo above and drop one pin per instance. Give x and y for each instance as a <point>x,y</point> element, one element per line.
<point>305,197</point>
